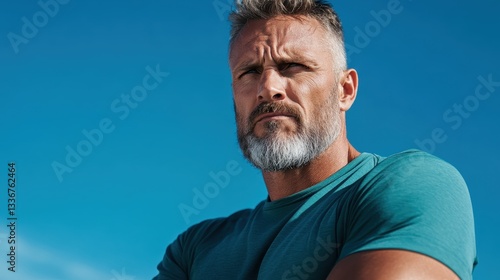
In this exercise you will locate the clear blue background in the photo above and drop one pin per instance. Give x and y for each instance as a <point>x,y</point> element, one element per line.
<point>114,214</point>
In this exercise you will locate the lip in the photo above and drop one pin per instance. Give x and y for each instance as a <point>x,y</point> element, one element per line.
<point>271,115</point>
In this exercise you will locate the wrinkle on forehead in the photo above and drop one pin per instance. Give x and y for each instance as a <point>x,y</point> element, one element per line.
<point>282,36</point>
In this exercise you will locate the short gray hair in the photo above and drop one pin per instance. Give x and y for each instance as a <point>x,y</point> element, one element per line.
<point>247,10</point>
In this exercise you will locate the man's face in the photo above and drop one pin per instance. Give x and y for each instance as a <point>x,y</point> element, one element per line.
<point>285,91</point>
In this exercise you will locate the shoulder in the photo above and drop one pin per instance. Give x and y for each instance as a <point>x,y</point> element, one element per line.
<point>209,226</point>
<point>413,201</point>
<point>415,180</point>
<point>414,166</point>
<point>213,224</point>
<point>415,159</point>
<point>181,253</point>
<point>210,230</point>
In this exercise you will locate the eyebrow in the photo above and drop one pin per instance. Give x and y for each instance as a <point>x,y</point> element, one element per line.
<point>251,64</point>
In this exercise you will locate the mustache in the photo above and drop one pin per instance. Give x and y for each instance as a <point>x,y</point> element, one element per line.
<point>273,107</point>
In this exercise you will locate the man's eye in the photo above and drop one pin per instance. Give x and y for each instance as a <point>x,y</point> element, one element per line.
<point>250,71</point>
<point>286,66</point>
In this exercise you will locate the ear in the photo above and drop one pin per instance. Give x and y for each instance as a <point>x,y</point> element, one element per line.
<point>348,89</point>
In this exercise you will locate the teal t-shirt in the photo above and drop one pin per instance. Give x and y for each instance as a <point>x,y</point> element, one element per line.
<point>411,201</point>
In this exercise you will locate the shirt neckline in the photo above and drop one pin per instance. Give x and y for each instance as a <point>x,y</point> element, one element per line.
<point>355,164</point>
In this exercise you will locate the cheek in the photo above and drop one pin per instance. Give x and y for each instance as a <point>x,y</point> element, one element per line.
<point>241,113</point>
<point>244,100</point>
<point>310,92</point>
<point>313,84</point>
<point>240,105</point>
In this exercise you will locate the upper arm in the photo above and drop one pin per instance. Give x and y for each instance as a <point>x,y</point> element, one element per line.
<point>415,216</point>
<point>390,265</point>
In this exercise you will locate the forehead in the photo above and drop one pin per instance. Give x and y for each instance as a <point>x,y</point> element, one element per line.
<point>281,35</point>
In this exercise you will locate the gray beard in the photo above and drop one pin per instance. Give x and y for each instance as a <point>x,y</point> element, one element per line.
<point>278,151</point>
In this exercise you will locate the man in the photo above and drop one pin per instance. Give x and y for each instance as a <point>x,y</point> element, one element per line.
<point>332,212</point>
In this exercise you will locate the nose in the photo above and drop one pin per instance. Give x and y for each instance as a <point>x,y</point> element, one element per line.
<point>272,86</point>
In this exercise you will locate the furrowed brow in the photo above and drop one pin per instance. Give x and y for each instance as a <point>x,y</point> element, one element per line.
<point>247,65</point>
<point>296,59</point>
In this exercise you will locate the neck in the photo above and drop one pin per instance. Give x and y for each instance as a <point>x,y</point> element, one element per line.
<point>285,183</point>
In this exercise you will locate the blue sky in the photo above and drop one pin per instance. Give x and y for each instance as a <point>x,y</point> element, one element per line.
<point>84,68</point>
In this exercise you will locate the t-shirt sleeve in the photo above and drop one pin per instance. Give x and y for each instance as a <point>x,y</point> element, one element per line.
<point>417,202</point>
